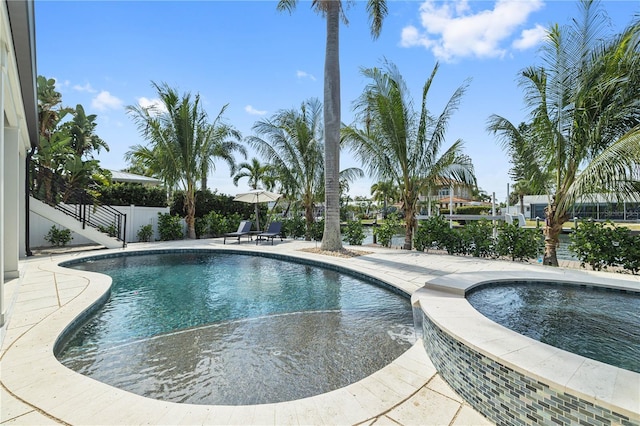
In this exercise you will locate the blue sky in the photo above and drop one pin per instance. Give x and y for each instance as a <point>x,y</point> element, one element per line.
<point>104,55</point>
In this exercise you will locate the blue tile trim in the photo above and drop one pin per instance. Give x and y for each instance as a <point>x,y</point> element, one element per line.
<point>504,395</point>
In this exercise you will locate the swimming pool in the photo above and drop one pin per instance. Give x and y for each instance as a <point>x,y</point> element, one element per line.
<point>221,328</point>
<point>596,323</point>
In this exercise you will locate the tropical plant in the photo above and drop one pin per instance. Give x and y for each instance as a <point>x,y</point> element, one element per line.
<point>145,233</point>
<point>180,140</point>
<point>257,173</point>
<point>294,227</point>
<point>518,243</point>
<point>598,244</point>
<point>169,227</point>
<point>480,237</point>
<point>584,116</point>
<point>292,141</point>
<point>401,146</point>
<point>384,191</point>
<point>62,163</point>
<point>222,141</point>
<point>81,128</point>
<point>386,230</point>
<point>354,233</point>
<point>333,11</point>
<point>432,233</point>
<point>58,237</point>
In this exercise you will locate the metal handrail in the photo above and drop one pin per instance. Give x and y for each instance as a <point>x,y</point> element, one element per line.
<point>82,206</point>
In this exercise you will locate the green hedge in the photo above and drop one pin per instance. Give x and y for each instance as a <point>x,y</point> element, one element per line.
<point>603,244</point>
<point>125,194</point>
<point>207,201</point>
<point>473,210</point>
<point>476,239</point>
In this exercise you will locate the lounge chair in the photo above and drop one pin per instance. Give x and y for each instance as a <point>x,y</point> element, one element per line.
<point>243,229</point>
<point>274,230</point>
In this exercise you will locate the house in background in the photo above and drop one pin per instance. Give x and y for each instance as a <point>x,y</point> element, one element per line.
<point>126,177</point>
<point>597,207</point>
<point>453,192</point>
<point>18,132</point>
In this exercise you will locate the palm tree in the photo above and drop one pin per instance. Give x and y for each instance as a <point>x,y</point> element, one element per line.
<point>82,128</point>
<point>53,148</point>
<point>257,173</point>
<point>384,191</point>
<point>178,134</point>
<point>401,146</point>
<point>332,10</point>
<point>527,171</point>
<point>292,140</point>
<point>220,142</point>
<point>584,105</point>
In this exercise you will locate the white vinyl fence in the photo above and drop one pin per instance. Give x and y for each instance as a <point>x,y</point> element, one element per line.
<point>136,218</point>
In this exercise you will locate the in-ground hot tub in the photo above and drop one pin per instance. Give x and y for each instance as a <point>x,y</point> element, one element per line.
<point>512,378</point>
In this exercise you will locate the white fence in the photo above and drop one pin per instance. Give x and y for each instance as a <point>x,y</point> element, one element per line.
<point>136,218</point>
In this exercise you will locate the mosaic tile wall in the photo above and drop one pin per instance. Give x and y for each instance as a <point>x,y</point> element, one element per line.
<point>504,395</point>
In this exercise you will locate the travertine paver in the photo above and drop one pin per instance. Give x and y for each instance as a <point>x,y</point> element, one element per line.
<point>47,297</point>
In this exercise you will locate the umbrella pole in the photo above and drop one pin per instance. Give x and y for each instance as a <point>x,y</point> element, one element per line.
<point>257,218</point>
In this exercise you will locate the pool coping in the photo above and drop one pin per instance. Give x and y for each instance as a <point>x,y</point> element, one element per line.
<point>443,302</point>
<point>33,375</point>
<point>408,391</point>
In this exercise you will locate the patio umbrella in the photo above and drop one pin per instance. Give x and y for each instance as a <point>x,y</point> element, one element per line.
<point>256,196</point>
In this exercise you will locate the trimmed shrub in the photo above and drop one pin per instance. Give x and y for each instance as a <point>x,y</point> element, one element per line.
<point>125,194</point>
<point>631,253</point>
<point>58,237</point>
<point>479,237</point>
<point>387,229</point>
<point>317,230</point>
<point>170,227</point>
<point>207,201</point>
<point>519,243</point>
<point>433,233</point>
<point>293,227</point>
<point>110,230</point>
<point>145,233</point>
<point>354,233</point>
<point>472,210</point>
<point>602,245</point>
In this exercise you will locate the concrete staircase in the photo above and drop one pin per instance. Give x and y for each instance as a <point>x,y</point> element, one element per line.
<point>69,222</point>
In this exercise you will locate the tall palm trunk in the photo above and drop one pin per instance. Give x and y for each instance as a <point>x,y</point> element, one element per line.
<point>203,180</point>
<point>409,220</point>
<point>331,238</point>
<point>552,230</point>
<point>190,210</point>
<point>309,220</point>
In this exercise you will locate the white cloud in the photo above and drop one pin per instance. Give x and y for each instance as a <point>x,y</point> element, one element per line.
<point>105,101</point>
<point>304,74</point>
<point>155,106</point>
<point>86,88</point>
<point>451,30</point>
<point>251,110</point>
<point>530,38</point>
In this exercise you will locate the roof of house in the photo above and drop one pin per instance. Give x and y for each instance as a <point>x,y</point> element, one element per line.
<point>22,21</point>
<point>456,200</point>
<point>124,177</point>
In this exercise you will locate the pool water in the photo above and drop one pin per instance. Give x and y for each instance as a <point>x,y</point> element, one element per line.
<point>220,328</point>
<point>599,324</point>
